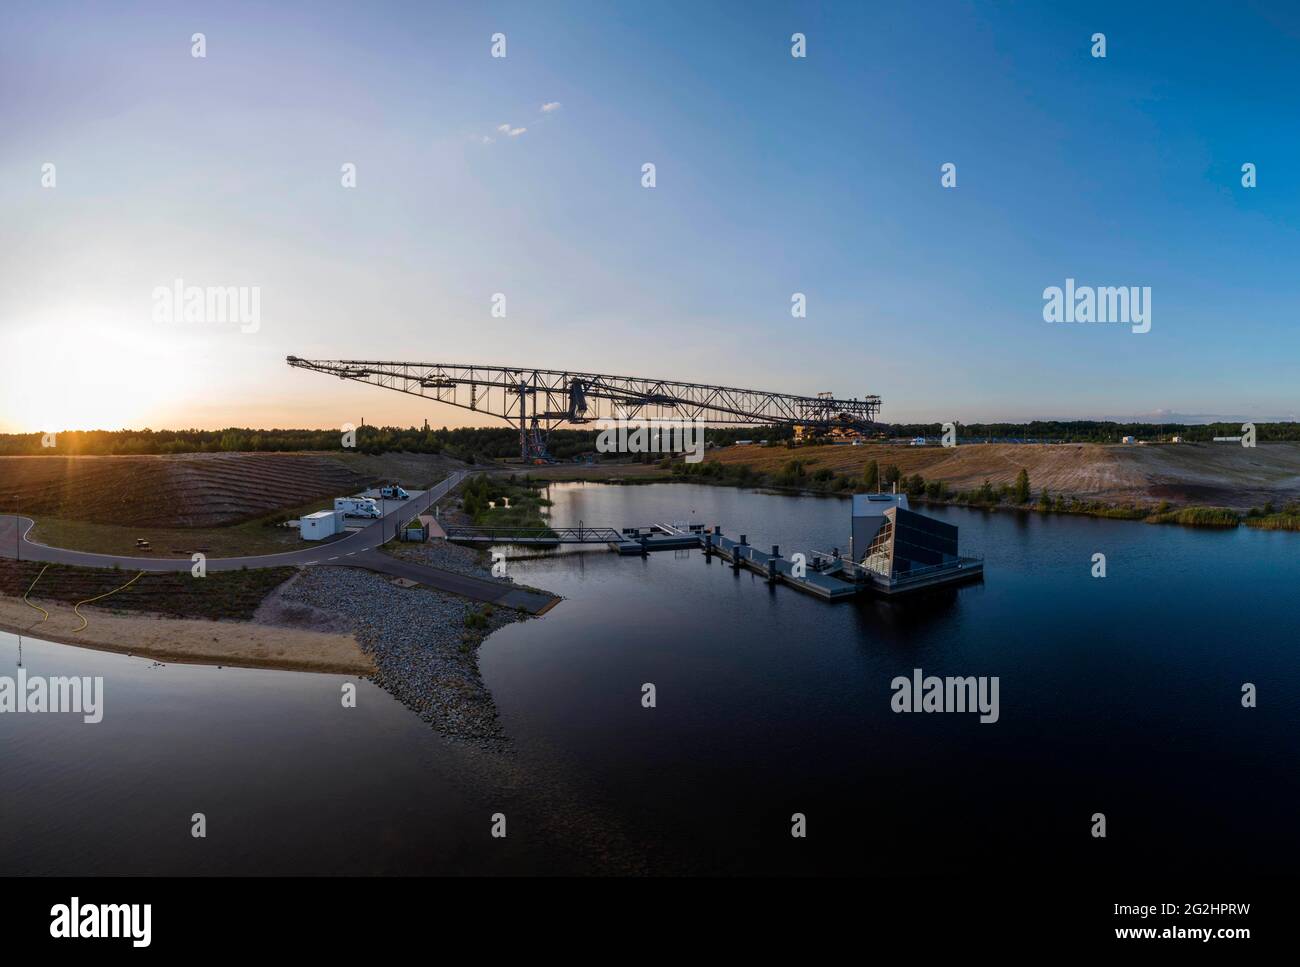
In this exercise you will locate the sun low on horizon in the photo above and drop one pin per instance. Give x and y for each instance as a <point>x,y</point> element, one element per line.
<point>89,374</point>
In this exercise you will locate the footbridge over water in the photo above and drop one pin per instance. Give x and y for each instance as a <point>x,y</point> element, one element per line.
<point>628,540</point>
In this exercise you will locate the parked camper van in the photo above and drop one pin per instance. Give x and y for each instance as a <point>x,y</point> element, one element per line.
<point>357,506</point>
<point>393,493</point>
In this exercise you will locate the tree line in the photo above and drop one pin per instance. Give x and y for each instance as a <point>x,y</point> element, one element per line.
<point>503,442</point>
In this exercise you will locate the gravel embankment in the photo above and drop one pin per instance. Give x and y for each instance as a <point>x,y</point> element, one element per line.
<point>427,657</point>
<point>449,557</point>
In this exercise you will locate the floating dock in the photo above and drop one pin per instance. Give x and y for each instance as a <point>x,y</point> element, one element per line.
<point>659,537</point>
<point>629,540</point>
<point>777,569</point>
<point>902,551</point>
<point>833,578</point>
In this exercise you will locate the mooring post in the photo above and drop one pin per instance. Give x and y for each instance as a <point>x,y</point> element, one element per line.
<point>771,564</point>
<point>644,549</point>
<point>736,552</point>
<point>708,544</point>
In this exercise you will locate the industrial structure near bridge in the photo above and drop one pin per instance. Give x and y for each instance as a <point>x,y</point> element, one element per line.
<point>539,400</point>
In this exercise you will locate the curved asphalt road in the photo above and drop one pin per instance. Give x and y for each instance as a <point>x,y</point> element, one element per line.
<point>355,550</point>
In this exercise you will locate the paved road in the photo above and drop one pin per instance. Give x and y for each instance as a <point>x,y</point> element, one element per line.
<point>480,589</point>
<point>330,552</point>
<point>355,550</point>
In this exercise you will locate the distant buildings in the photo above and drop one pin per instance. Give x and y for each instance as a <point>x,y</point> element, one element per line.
<point>834,434</point>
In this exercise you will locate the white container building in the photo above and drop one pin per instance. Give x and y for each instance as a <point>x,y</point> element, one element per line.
<point>320,525</point>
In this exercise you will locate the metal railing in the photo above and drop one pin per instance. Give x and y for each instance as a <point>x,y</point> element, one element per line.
<point>905,577</point>
<point>558,535</point>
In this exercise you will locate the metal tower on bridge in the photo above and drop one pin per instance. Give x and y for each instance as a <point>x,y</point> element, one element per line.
<point>539,400</point>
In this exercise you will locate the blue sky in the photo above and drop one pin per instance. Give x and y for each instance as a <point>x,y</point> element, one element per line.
<point>775,175</point>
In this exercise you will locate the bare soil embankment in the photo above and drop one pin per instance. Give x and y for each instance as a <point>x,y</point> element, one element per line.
<point>236,643</point>
<point>197,490</point>
<point>1224,475</point>
<point>215,502</point>
<point>173,617</point>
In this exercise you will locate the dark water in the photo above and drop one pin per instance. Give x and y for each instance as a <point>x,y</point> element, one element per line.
<point>1118,695</point>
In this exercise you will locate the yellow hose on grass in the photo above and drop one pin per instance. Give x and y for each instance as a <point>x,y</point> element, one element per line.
<point>77,608</point>
<point>45,614</point>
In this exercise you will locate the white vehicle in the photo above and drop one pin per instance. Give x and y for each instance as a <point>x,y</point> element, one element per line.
<point>394,493</point>
<point>357,507</point>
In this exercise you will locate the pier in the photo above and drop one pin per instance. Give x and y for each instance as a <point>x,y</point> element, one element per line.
<point>885,569</point>
<point>834,578</point>
<point>629,540</point>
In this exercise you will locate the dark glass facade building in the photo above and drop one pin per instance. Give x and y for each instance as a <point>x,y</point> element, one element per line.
<point>908,541</point>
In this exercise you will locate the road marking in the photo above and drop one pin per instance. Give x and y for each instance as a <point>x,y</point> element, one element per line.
<point>349,553</point>
<point>313,562</point>
<point>334,558</point>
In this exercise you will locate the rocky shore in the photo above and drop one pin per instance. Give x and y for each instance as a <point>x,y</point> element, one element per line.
<point>423,642</point>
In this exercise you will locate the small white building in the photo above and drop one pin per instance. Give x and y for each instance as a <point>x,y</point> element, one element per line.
<point>320,525</point>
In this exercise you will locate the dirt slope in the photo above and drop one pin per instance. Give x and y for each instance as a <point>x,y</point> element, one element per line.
<point>195,490</point>
<point>1221,474</point>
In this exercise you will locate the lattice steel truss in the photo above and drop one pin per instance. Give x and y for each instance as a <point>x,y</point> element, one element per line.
<point>539,400</point>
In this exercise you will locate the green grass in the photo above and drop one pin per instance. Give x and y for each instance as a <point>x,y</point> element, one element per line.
<point>1198,517</point>
<point>1275,522</point>
<point>222,594</point>
<point>258,536</point>
<point>527,505</point>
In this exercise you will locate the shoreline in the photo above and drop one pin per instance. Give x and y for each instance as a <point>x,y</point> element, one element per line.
<point>1099,509</point>
<point>235,644</point>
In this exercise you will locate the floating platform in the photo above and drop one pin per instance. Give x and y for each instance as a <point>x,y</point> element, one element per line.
<point>833,578</point>
<point>660,537</point>
<point>824,585</point>
<point>628,541</point>
<point>826,576</point>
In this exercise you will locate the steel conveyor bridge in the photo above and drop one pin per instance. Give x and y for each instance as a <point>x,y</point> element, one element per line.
<point>539,400</point>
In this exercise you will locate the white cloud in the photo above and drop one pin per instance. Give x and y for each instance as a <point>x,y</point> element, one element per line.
<point>550,106</point>
<point>503,128</point>
<point>510,132</point>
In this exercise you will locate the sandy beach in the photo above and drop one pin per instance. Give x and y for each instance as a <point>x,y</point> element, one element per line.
<point>237,643</point>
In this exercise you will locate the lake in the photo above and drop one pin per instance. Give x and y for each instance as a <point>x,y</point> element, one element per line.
<point>1119,695</point>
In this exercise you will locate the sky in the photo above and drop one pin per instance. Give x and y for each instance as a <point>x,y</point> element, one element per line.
<point>522,175</point>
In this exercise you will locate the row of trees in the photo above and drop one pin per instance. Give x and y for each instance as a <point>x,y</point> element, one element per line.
<point>499,442</point>
<point>465,442</point>
<point>796,473</point>
<point>1095,431</point>
<point>874,479</point>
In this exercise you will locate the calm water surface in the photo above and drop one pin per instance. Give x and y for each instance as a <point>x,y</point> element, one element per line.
<point>1118,695</point>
